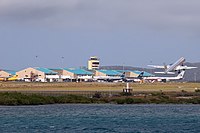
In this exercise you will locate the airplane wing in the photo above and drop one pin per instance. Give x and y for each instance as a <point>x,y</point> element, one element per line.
<point>165,72</point>
<point>191,67</point>
<point>155,66</point>
<point>184,68</point>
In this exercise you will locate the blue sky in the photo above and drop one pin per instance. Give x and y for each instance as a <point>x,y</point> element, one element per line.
<point>131,32</point>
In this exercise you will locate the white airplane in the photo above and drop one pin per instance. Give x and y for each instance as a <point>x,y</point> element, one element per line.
<point>107,78</point>
<point>177,66</point>
<point>165,79</point>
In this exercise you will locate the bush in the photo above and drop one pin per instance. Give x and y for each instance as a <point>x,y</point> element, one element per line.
<point>97,95</point>
<point>126,94</point>
<point>120,101</point>
<point>131,101</point>
<point>183,91</point>
<point>35,99</point>
<point>197,90</point>
<point>73,99</point>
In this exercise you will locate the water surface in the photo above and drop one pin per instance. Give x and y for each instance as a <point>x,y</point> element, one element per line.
<point>100,118</point>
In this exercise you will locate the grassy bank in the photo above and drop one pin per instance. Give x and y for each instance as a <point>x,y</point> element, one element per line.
<point>21,93</point>
<point>14,98</point>
<point>92,86</point>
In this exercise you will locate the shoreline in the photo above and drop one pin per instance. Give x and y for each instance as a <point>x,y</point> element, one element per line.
<point>21,93</point>
<point>17,98</point>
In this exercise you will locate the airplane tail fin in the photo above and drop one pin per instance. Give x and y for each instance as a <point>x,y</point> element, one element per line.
<point>123,75</point>
<point>141,74</point>
<point>181,74</point>
<point>165,66</point>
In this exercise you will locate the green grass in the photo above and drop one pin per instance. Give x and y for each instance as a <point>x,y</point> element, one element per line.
<point>147,87</point>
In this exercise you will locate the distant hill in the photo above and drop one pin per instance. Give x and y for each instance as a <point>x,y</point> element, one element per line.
<point>190,75</point>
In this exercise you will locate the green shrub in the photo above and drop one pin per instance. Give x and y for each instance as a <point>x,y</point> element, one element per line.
<point>97,95</point>
<point>126,94</point>
<point>73,99</point>
<point>119,101</point>
<point>197,90</point>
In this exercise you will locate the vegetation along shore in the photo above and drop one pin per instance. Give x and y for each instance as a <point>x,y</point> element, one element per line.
<point>95,93</point>
<point>17,98</point>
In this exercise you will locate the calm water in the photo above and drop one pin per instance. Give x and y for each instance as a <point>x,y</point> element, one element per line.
<point>100,118</point>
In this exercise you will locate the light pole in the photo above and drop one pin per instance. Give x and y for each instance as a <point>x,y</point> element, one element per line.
<point>36,61</point>
<point>123,67</point>
<point>62,61</point>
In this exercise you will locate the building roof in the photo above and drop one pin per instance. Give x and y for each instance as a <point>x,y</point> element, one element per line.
<point>54,69</point>
<point>110,72</point>
<point>78,71</point>
<point>10,72</point>
<point>122,71</point>
<point>144,74</point>
<point>45,70</point>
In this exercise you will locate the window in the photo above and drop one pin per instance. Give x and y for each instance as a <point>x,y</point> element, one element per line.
<point>96,63</point>
<point>93,59</point>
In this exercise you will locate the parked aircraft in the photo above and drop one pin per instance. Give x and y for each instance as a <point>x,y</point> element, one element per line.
<point>177,66</point>
<point>2,79</point>
<point>13,78</point>
<point>107,78</point>
<point>165,79</point>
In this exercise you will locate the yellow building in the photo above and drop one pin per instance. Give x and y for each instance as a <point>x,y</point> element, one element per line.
<point>93,63</point>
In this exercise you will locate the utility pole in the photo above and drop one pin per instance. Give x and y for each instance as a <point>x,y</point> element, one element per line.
<point>36,61</point>
<point>62,61</point>
<point>123,67</point>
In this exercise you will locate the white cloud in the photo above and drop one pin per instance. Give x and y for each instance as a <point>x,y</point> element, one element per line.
<point>108,14</point>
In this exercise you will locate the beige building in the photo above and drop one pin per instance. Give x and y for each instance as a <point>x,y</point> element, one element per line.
<point>63,74</point>
<point>131,74</point>
<point>99,73</point>
<point>135,74</point>
<point>107,73</point>
<point>78,74</point>
<point>93,63</point>
<point>73,74</point>
<point>7,73</point>
<point>37,74</point>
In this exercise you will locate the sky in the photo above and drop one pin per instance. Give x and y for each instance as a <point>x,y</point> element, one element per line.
<point>65,33</point>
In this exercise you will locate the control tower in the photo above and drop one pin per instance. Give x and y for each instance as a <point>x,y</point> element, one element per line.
<point>93,63</point>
